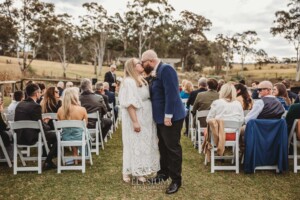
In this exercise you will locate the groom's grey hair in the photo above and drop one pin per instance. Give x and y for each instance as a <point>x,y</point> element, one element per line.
<point>149,55</point>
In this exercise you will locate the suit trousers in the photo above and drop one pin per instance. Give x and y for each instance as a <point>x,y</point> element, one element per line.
<point>170,150</point>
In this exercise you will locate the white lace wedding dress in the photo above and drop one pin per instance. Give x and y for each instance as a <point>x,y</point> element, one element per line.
<point>140,150</point>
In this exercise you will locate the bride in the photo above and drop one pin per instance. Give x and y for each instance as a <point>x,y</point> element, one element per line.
<point>140,142</point>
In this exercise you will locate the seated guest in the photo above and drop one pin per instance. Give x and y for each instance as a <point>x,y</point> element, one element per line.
<point>30,110</point>
<point>291,94</point>
<point>43,89</point>
<point>69,84</point>
<point>268,107</point>
<point>254,91</point>
<point>111,98</point>
<point>99,89</point>
<point>226,107</point>
<point>293,113</point>
<point>17,98</point>
<point>204,99</point>
<point>279,91</point>
<point>51,103</point>
<point>186,90</point>
<point>71,110</point>
<point>220,83</point>
<point>202,84</point>
<point>60,87</point>
<point>243,96</point>
<point>93,103</point>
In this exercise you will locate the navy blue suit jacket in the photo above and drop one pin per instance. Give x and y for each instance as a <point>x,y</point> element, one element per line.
<point>165,94</point>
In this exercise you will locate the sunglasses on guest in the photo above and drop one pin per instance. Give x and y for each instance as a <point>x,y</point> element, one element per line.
<point>260,89</point>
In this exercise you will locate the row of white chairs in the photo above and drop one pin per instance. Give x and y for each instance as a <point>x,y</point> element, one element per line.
<point>91,141</point>
<point>197,130</point>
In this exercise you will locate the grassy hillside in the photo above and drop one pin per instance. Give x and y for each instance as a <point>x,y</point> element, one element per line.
<point>47,69</point>
<point>54,69</point>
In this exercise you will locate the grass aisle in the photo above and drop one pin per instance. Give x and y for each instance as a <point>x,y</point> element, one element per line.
<point>103,181</point>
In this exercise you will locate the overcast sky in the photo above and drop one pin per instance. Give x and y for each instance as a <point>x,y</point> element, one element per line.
<point>227,17</point>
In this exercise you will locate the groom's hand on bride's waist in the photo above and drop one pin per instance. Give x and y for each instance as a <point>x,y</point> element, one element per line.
<point>167,121</point>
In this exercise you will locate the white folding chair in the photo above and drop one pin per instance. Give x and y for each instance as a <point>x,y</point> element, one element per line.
<point>234,144</point>
<point>59,125</point>
<point>112,128</point>
<point>41,141</point>
<point>119,111</point>
<point>50,115</point>
<point>200,130</point>
<point>6,157</point>
<point>296,143</point>
<point>9,117</point>
<point>95,133</point>
<point>192,130</point>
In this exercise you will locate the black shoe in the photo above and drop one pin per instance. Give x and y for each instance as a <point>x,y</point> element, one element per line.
<point>48,166</point>
<point>159,178</point>
<point>173,187</point>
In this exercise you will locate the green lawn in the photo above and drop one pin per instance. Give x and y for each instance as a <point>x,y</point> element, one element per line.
<point>103,181</point>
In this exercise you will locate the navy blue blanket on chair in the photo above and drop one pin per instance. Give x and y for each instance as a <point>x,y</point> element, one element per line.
<point>266,143</point>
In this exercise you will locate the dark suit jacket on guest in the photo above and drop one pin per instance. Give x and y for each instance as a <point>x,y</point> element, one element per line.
<point>105,100</point>
<point>293,113</point>
<point>193,96</point>
<point>111,97</point>
<point>110,78</point>
<point>29,110</point>
<point>93,103</point>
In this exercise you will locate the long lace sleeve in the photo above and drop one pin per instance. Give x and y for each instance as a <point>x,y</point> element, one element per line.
<point>128,94</point>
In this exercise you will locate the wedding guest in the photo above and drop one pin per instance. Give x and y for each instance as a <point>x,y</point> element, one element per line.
<point>71,110</point>
<point>243,96</point>
<point>280,92</point>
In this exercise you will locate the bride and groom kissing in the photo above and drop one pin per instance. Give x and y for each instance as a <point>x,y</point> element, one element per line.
<point>152,119</point>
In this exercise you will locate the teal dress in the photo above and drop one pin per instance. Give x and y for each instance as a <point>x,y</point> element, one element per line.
<point>70,134</point>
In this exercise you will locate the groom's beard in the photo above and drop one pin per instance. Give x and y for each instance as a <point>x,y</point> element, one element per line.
<point>148,69</point>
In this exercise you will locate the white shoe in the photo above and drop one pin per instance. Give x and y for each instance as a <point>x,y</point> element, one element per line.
<point>141,179</point>
<point>126,178</point>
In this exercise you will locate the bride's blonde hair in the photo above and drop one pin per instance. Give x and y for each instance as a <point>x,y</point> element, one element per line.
<point>129,71</point>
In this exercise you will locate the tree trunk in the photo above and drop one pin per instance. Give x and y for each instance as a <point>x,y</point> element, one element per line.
<point>298,66</point>
<point>140,45</point>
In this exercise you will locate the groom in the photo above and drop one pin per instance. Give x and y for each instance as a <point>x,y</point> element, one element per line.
<point>168,113</point>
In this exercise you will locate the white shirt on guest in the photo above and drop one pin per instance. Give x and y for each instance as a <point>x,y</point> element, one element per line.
<point>11,109</point>
<point>223,109</point>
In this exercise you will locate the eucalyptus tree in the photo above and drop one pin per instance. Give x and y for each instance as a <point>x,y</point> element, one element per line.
<point>28,19</point>
<point>63,39</point>
<point>244,44</point>
<point>261,58</point>
<point>189,35</point>
<point>227,44</point>
<point>8,35</point>
<point>287,24</point>
<point>143,17</point>
<point>94,30</point>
